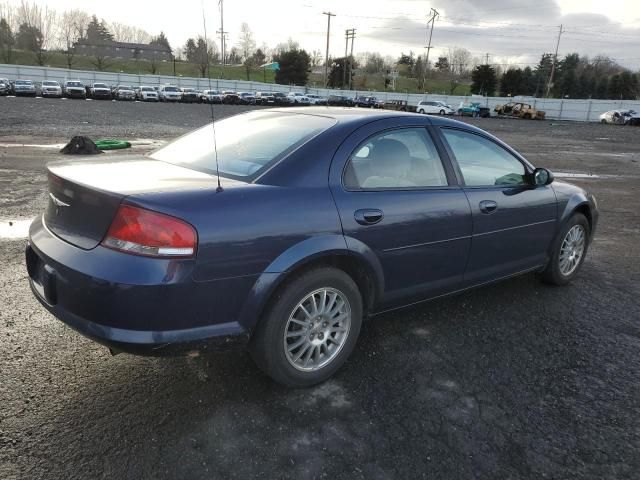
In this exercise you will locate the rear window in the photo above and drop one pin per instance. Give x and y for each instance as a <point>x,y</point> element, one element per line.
<point>247,144</point>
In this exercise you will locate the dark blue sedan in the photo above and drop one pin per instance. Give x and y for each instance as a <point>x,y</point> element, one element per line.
<point>322,217</point>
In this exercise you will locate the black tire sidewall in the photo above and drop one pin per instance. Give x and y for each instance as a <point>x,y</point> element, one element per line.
<point>267,342</point>
<point>552,272</point>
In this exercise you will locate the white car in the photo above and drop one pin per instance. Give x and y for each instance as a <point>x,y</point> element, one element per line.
<point>51,88</point>
<point>434,107</point>
<point>74,89</point>
<point>211,96</point>
<point>146,94</point>
<point>316,99</point>
<point>298,98</point>
<point>620,117</point>
<point>169,93</point>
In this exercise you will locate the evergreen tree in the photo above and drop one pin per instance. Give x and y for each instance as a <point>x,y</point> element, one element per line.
<point>97,32</point>
<point>161,41</point>
<point>294,67</point>
<point>7,41</point>
<point>484,80</point>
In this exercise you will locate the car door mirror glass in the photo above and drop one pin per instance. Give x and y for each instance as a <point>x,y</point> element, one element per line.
<point>542,176</point>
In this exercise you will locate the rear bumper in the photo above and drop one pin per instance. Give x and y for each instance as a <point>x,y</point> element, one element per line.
<point>148,314</point>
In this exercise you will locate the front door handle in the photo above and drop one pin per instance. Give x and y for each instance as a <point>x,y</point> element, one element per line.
<point>488,206</point>
<point>368,216</point>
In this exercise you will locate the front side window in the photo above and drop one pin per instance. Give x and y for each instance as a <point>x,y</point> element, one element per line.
<point>404,158</point>
<point>246,144</point>
<point>482,162</point>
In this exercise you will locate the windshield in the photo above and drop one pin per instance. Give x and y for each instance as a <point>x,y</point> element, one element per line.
<point>23,82</point>
<point>247,144</point>
<point>124,87</point>
<point>147,89</point>
<point>74,84</point>
<point>99,85</point>
<point>50,84</point>
<point>171,89</point>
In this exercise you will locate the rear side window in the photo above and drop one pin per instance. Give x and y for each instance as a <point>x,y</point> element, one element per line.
<point>482,162</point>
<point>247,144</point>
<point>404,158</point>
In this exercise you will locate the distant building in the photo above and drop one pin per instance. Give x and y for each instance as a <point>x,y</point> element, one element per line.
<point>134,51</point>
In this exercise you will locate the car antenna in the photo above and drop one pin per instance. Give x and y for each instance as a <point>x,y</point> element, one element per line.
<point>213,118</point>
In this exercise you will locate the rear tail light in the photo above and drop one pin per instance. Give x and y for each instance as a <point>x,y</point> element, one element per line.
<point>144,232</point>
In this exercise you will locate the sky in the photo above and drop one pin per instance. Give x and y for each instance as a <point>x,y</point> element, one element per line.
<point>511,31</point>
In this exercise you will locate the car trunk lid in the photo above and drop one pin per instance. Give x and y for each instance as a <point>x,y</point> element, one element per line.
<point>85,195</point>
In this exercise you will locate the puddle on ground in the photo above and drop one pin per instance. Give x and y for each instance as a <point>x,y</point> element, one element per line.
<point>14,229</point>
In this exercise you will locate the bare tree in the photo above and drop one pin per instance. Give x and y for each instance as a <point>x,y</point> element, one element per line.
<point>71,28</point>
<point>101,62</point>
<point>459,66</point>
<point>43,19</point>
<point>128,33</point>
<point>316,58</point>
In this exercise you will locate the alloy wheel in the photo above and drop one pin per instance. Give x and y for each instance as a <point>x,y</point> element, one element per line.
<point>572,250</point>
<point>317,329</point>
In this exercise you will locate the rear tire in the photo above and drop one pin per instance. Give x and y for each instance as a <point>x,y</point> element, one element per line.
<point>322,339</point>
<point>568,251</point>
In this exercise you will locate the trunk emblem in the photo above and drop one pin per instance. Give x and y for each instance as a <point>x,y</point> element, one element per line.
<point>58,203</point>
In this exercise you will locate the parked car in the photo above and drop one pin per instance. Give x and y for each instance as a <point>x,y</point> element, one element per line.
<point>124,92</point>
<point>190,95</point>
<point>211,96</point>
<point>316,99</point>
<point>230,97</point>
<point>246,98</point>
<point>620,117</point>
<point>399,105</point>
<point>50,88</point>
<point>100,91</point>
<point>74,89</point>
<point>367,102</point>
<point>340,101</point>
<point>5,86</point>
<point>265,98</point>
<point>169,93</point>
<point>145,93</point>
<point>434,107</point>
<point>24,88</point>
<point>468,109</point>
<point>282,99</point>
<point>298,98</point>
<point>148,255</point>
<point>520,110</point>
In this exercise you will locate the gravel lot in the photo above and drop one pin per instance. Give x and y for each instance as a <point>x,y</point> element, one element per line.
<point>516,380</point>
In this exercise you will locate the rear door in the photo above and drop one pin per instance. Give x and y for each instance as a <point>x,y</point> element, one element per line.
<point>513,222</point>
<point>399,201</point>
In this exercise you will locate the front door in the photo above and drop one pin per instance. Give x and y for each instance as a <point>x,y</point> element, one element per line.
<point>513,221</point>
<point>399,201</point>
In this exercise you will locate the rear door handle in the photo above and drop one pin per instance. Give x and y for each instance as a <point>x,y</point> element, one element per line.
<point>488,206</point>
<point>368,216</point>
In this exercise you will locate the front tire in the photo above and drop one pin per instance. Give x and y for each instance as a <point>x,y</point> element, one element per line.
<point>310,329</point>
<point>568,251</point>
<point>442,112</point>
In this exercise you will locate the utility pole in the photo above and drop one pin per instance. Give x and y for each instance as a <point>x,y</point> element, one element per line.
<point>487,59</point>
<point>432,20</point>
<point>353,36</point>
<point>222,33</point>
<point>555,60</point>
<point>348,35</point>
<point>326,57</point>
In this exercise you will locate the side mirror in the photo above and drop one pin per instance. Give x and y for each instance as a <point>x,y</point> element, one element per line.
<point>541,177</point>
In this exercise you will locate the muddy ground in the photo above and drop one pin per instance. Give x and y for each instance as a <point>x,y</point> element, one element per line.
<point>516,380</point>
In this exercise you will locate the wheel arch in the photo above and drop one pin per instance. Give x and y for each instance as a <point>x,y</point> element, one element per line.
<point>313,253</point>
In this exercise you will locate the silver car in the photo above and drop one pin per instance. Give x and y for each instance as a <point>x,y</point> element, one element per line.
<point>51,88</point>
<point>24,87</point>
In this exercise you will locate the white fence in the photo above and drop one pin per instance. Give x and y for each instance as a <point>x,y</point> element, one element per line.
<point>556,109</point>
